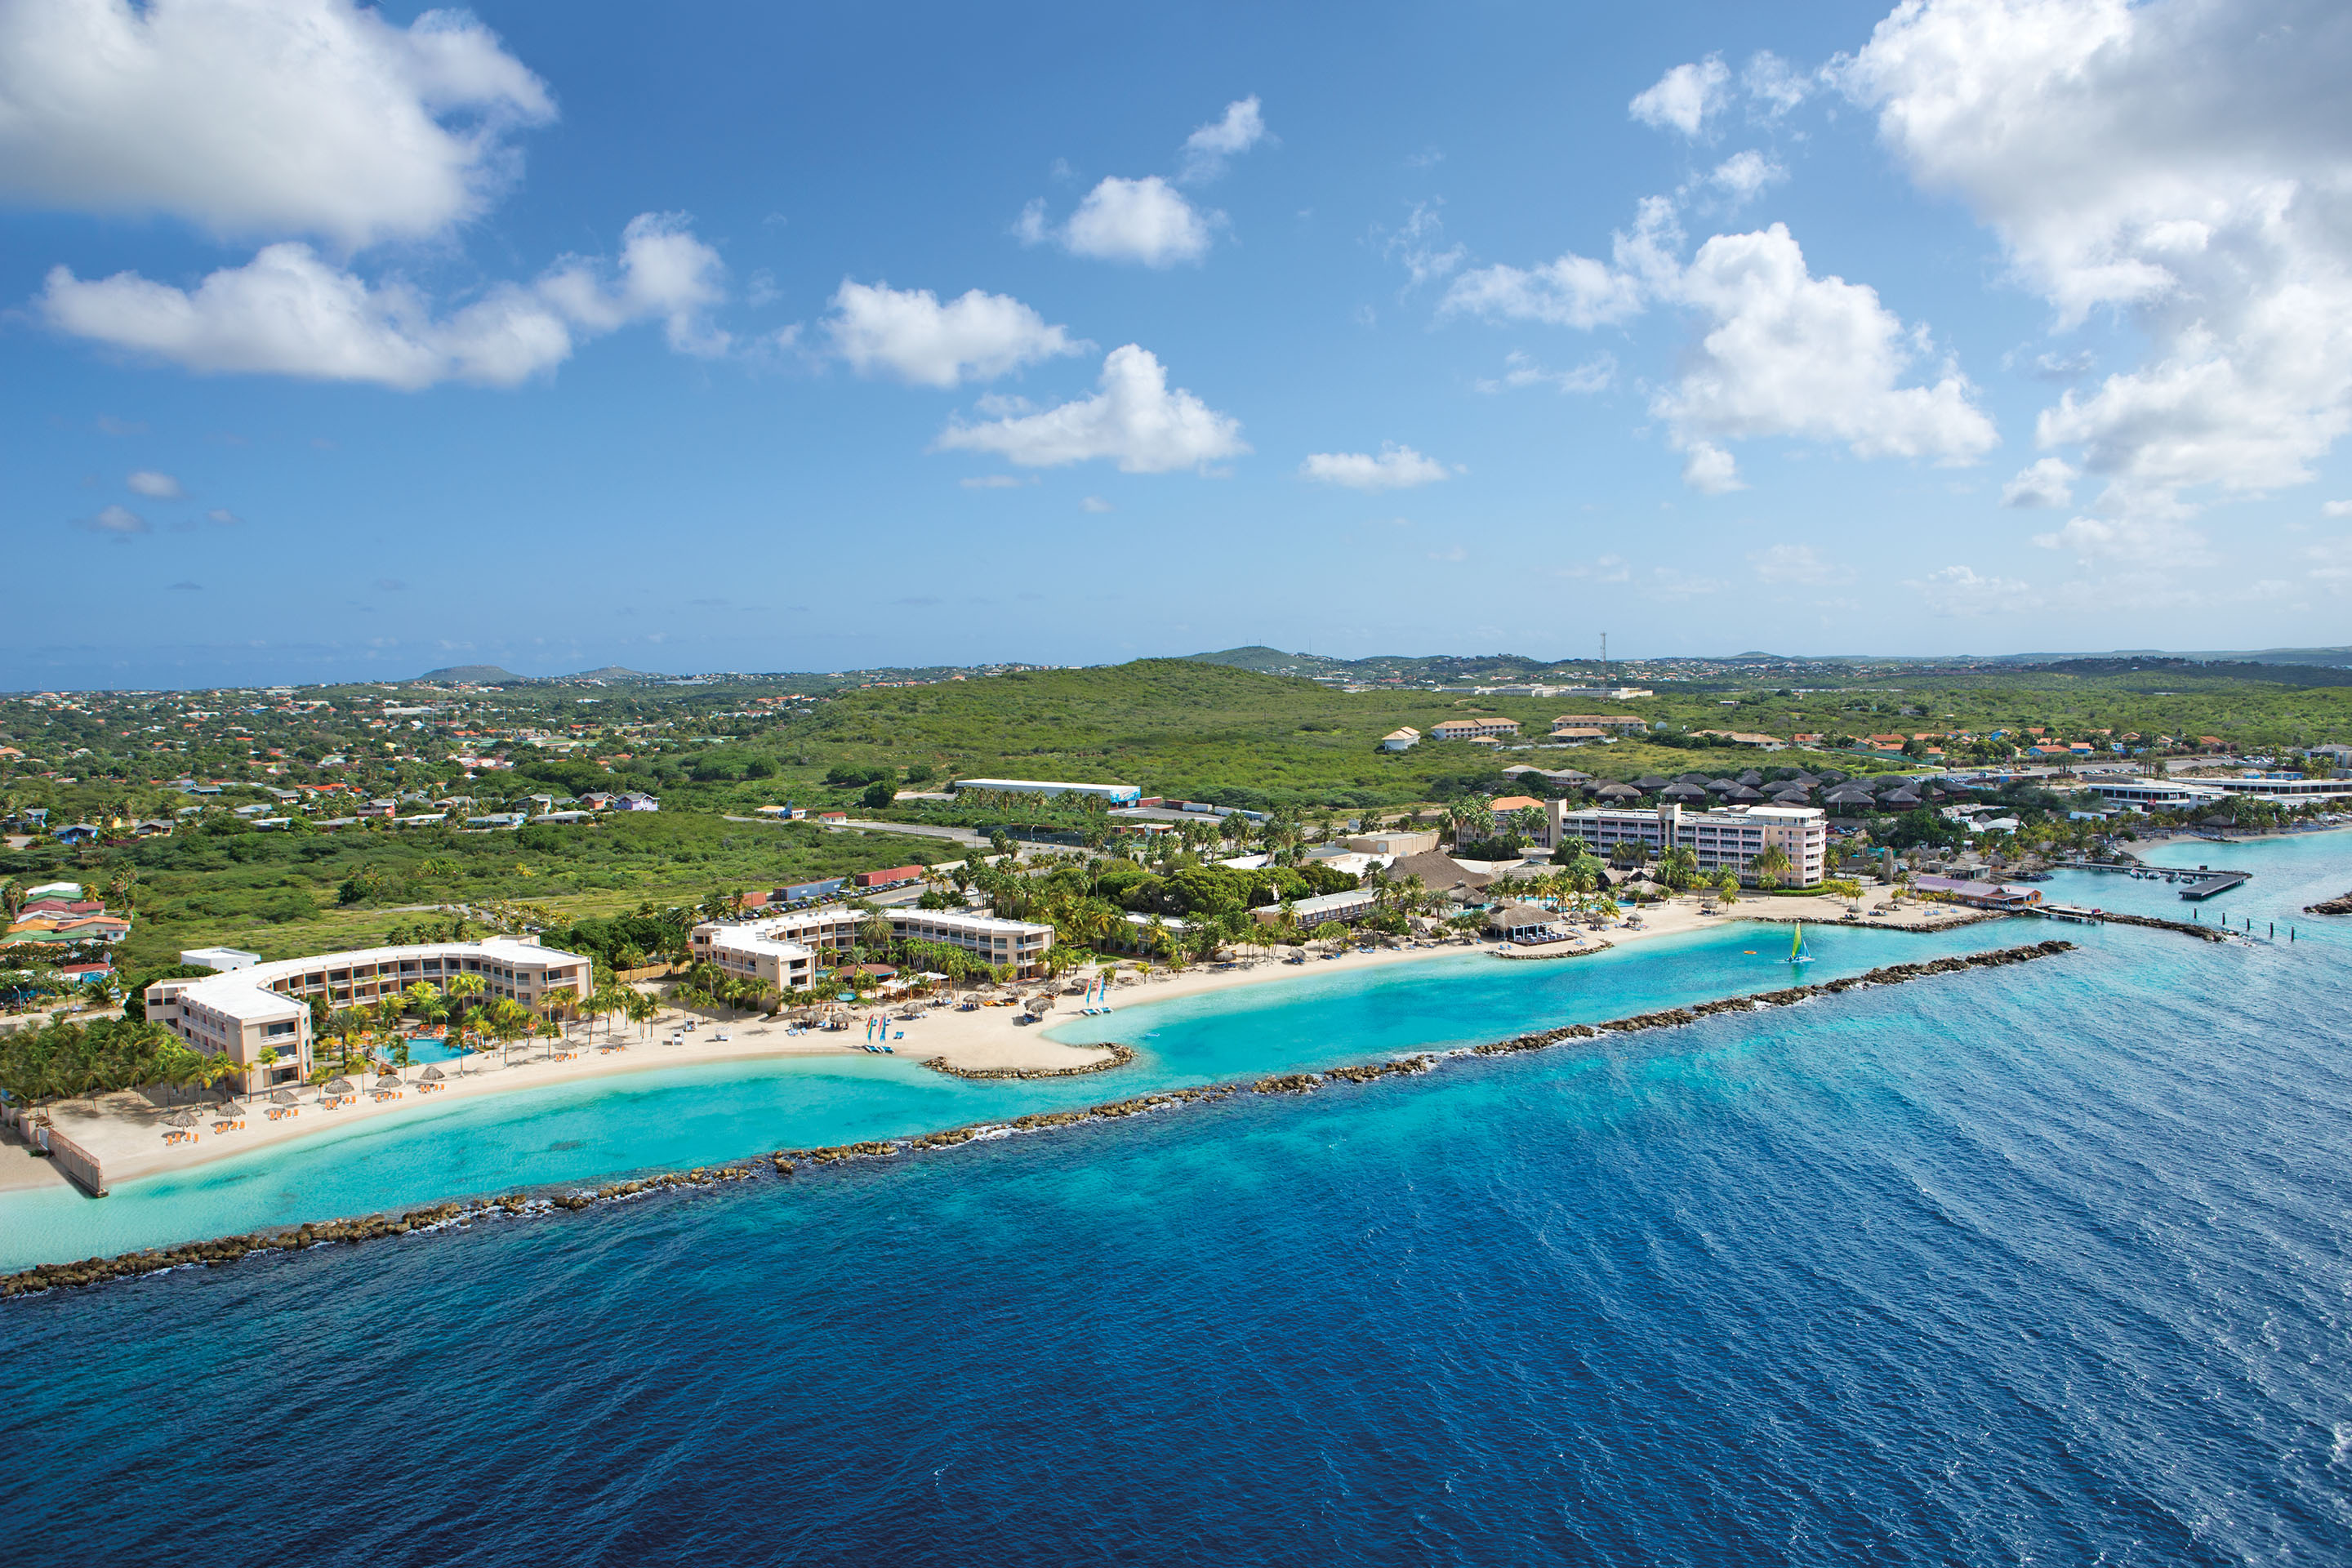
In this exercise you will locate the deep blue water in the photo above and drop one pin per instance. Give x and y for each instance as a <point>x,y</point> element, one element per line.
<point>2045,1264</point>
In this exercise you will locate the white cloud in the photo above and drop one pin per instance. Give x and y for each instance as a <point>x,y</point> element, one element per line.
<point>220,515</point>
<point>1959,591</point>
<point>2335,509</point>
<point>1797,564</point>
<point>1683,97</point>
<point>259,116</point>
<point>1744,175</point>
<point>1395,469</point>
<point>1670,583</point>
<point>288,312</point>
<point>1791,354</point>
<point>120,521</point>
<point>907,333</point>
<point>1134,421</point>
<point>2049,482</point>
<point>1573,291</point>
<point>1519,371</point>
<point>1095,504</point>
<point>996,483</point>
<point>154,485</point>
<point>2136,545</point>
<point>1601,569</point>
<point>1773,87</point>
<point>2185,161</point>
<point>1710,470</point>
<point>1206,150</point>
<point>1147,221</point>
<point>1420,245</point>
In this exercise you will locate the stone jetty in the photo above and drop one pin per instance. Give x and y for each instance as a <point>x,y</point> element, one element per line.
<point>785,1163</point>
<point>2342,906</point>
<point>1119,1056</point>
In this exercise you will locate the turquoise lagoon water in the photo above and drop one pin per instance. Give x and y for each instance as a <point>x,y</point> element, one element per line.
<point>671,1118</point>
<point>2038,1265</point>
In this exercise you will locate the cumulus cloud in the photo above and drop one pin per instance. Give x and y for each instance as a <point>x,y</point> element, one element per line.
<point>154,485</point>
<point>1395,469</point>
<point>1147,221</point>
<point>1744,175</point>
<point>2134,545</point>
<point>1797,564</point>
<point>1788,354</point>
<point>1095,504</point>
<point>289,312</point>
<point>259,116</point>
<point>2335,509</point>
<point>1207,147</point>
<point>1520,370</point>
<point>1684,98</point>
<point>2183,162</point>
<point>1710,470</point>
<point>907,333</point>
<point>1135,421</point>
<point>2050,482</point>
<point>1773,85</point>
<point>1959,591</point>
<point>1784,353</point>
<point>224,516</point>
<point>119,520</point>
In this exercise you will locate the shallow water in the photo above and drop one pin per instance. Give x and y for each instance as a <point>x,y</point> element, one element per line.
<point>676,1118</point>
<point>2041,1264</point>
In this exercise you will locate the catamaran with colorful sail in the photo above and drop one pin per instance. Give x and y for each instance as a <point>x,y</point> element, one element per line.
<point>1796,953</point>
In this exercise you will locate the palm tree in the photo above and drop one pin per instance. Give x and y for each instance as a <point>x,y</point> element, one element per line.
<point>641,1007</point>
<point>461,991</point>
<point>1769,866</point>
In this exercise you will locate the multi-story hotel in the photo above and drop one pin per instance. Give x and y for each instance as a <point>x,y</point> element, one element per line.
<point>266,1007</point>
<point>1474,729</point>
<point>1727,838</point>
<point>783,952</point>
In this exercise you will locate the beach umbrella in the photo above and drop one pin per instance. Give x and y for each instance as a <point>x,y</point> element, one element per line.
<point>181,1118</point>
<point>389,1080</point>
<point>281,1097</point>
<point>432,1075</point>
<point>336,1086</point>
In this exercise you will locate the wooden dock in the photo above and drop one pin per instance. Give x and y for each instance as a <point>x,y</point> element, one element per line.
<point>2219,882</point>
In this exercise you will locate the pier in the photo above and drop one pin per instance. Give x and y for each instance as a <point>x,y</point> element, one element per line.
<point>2218,882</point>
<point>2075,913</point>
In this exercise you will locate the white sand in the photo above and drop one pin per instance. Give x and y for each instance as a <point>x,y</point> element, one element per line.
<point>125,1132</point>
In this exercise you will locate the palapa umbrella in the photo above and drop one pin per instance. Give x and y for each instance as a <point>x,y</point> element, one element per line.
<point>432,1075</point>
<point>181,1118</point>
<point>282,1097</point>
<point>337,1085</point>
<point>389,1080</point>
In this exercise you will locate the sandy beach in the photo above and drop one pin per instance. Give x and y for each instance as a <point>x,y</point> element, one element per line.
<point>125,1132</point>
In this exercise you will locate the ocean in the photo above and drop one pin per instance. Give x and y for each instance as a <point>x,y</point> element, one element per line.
<point>2045,1263</point>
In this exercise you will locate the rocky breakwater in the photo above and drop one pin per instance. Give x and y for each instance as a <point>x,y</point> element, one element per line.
<point>2342,906</point>
<point>2158,922</point>
<point>1788,996</point>
<point>1119,1056</point>
<point>348,1232</point>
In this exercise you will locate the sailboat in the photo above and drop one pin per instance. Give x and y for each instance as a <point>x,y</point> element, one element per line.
<point>1796,953</point>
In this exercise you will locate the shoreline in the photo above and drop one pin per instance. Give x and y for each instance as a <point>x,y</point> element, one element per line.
<point>123,1131</point>
<point>41,1278</point>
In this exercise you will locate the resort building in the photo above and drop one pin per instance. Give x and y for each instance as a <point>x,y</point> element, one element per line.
<point>1599,721</point>
<point>1474,729</point>
<point>751,953</point>
<point>2287,789</point>
<point>1117,794</point>
<point>1977,894</point>
<point>1729,838</point>
<point>1346,908</point>
<point>1019,945</point>
<point>2159,795</point>
<point>1403,740</point>
<point>258,1007</point>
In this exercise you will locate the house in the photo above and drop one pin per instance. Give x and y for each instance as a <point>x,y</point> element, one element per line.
<point>1976,895</point>
<point>1395,842</point>
<point>1599,721</point>
<point>1439,873</point>
<point>1578,732</point>
<point>1402,739</point>
<point>74,833</point>
<point>1346,908</point>
<point>832,817</point>
<point>636,803</point>
<point>1474,729</point>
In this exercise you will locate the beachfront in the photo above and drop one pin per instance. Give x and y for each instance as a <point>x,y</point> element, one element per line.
<point>127,1133</point>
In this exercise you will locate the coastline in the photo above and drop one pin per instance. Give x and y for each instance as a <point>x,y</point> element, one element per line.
<point>124,1130</point>
<point>43,1277</point>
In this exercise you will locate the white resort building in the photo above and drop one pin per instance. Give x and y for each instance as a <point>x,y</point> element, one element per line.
<point>260,1007</point>
<point>783,952</point>
<point>1727,838</point>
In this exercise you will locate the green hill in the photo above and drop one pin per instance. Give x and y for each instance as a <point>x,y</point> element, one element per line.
<point>473,675</point>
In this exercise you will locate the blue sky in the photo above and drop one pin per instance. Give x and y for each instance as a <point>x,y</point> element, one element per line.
<point>346,344</point>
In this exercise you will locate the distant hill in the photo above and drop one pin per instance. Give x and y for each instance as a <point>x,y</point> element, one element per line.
<point>616,672</point>
<point>473,675</point>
